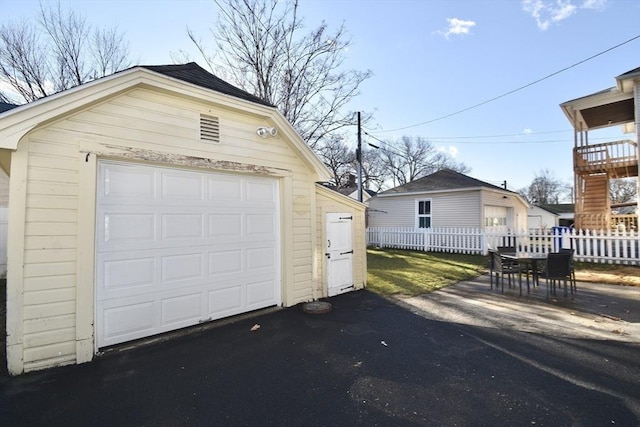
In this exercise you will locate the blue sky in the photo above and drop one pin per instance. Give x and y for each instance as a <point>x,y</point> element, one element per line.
<point>431,59</point>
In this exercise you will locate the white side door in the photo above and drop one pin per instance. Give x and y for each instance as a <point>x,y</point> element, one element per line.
<point>339,253</point>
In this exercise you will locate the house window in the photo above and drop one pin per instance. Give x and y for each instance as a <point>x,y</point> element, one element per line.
<point>423,213</point>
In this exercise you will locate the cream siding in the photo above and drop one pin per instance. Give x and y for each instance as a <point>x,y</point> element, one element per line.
<point>328,201</point>
<point>59,209</point>
<point>4,190</point>
<point>4,221</point>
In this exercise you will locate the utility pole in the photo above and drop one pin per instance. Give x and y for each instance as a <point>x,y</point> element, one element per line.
<point>359,159</point>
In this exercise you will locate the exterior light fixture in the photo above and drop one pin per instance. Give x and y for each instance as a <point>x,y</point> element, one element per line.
<point>266,132</point>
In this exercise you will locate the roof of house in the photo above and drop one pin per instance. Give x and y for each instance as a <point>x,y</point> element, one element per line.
<point>545,208</point>
<point>445,179</point>
<point>628,74</point>
<point>5,106</point>
<point>558,208</point>
<point>608,107</point>
<point>195,74</point>
<point>348,190</point>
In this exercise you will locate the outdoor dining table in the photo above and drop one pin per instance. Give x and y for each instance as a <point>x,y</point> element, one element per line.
<point>527,258</point>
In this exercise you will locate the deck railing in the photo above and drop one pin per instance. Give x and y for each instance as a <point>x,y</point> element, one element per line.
<point>609,246</point>
<point>605,156</point>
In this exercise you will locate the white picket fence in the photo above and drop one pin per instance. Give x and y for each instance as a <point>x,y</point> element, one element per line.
<point>614,247</point>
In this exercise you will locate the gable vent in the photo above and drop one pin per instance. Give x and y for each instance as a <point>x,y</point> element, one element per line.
<point>209,128</point>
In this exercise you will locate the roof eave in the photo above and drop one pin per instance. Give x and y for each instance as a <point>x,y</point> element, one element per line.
<point>573,108</point>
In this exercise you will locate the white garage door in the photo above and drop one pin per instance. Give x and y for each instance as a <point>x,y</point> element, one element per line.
<point>178,247</point>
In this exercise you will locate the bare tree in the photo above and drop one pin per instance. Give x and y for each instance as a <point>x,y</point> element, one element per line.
<point>414,157</point>
<point>23,62</point>
<point>336,156</point>
<point>262,48</point>
<point>58,52</point>
<point>373,170</point>
<point>623,190</point>
<point>546,188</point>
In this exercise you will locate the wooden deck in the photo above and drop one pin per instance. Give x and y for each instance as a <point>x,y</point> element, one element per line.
<point>617,159</point>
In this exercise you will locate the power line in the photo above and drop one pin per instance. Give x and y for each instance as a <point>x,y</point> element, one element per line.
<point>512,91</point>
<point>389,145</point>
<point>502,136</point>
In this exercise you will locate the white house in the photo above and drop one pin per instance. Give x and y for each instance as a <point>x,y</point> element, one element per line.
<point>158,198</point>
<point>448,199</point>
<point>541,218</point>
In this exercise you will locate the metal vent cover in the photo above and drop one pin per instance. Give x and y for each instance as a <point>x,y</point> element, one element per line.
<point>209,128</point>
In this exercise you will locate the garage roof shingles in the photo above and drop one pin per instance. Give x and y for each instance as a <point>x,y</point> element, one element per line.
<point>194,74</point>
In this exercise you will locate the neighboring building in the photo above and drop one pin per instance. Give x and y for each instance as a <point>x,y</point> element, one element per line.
<point>448,199</point>
<point>157,198</point>
<point>541,218</point>
<point>351,190</point>
<point>595,164</point>
<point>353,193</point>
<point>565,212</point>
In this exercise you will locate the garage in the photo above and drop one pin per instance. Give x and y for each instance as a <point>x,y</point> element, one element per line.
<point>177,247</point>
<point>159,198</point>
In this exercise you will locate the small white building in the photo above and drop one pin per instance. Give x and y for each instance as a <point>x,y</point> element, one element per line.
<point>448,199</point>
<point>540,218</point>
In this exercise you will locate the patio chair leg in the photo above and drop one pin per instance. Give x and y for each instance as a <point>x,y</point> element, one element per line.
<point>547,288</point>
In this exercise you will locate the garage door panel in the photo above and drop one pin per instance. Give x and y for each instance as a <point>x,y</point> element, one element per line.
<point>260,259</point>
<point>181,247</point>
<point>127,182</point>
<point>182,186</point>
<point>124,322</point>
<point>181,310</point>
<point>258,192</point>
<point>259,292</point>
<point>225,302</point>
<point>126,227</point>
<point>183,267</point>
<point>183,226</point>
<point>225,225</point>
<point>260,225</point>
<point>225,262</point>
<point>124,274</point>
<point>225,189</point>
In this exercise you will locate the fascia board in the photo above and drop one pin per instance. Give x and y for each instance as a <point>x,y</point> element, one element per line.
<point>304,151</point>
<point>419,193</point>
<point>16,123</point>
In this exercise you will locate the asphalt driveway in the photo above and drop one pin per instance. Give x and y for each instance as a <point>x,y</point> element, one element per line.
<point>367,362</point>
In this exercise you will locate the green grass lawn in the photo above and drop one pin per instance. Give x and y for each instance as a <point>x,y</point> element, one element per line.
<point>413,273</point>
